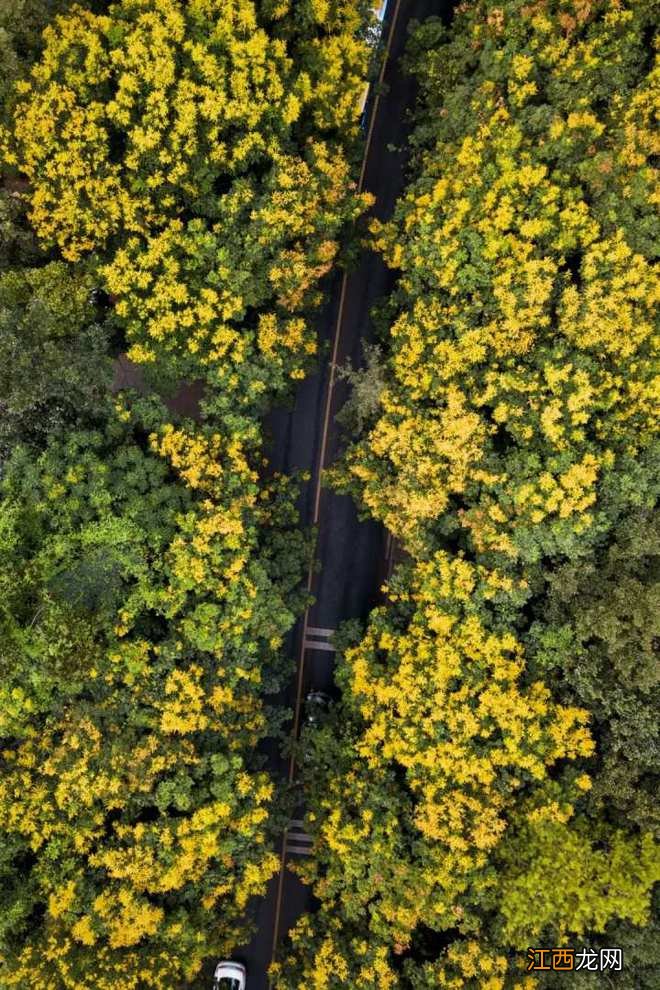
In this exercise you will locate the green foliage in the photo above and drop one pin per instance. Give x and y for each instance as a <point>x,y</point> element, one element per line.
<point>596,636</point>
<point>641,948</point>
<point>588,862</point>
<point>18,244</point>
<point>55,365</point>
<point>366,384</point>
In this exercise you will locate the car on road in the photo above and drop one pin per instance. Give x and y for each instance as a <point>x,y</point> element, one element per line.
<point>316,706</point>
<point>230,975</point>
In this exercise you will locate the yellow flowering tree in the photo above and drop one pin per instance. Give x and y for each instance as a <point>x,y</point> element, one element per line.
<point>21,26</point>
<point>228,301</point>
<point>153,105</point>
<point>201,151</point>
<point>521,399</point>
<point>442,798</point>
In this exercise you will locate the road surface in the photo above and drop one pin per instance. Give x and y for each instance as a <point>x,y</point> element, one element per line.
<point>351,553</point>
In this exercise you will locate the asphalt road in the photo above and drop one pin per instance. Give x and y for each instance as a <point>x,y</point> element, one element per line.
<point>351,553</point>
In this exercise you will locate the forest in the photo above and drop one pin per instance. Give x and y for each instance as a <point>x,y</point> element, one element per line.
<point>179,190</point>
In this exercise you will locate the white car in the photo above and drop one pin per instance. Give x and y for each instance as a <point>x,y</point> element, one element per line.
<point>229,975</point>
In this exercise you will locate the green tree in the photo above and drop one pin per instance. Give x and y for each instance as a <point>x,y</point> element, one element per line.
<point>55,364</point>
<point>597,636</point>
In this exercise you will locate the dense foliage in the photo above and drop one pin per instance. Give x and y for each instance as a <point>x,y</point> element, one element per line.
<point>177,177</point>
<point>596,636</point>
<point>186,171</point>
<point>55,364</point>
<point>523,364</point>
<point>21,25</point>
<point>135,646</point>
<point>487,781</point>
<point>202,148</point>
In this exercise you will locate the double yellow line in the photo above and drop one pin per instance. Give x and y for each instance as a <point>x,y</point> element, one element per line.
<point>321,465</point>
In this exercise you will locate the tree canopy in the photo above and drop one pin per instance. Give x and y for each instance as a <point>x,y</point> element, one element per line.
<point>208,145</point>
<point>140,623</point>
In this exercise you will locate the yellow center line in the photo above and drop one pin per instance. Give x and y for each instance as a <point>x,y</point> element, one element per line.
<point>319,474</point>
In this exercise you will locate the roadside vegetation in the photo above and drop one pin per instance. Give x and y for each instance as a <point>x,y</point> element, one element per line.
<point>488,780</point>
<point>176,182</point>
